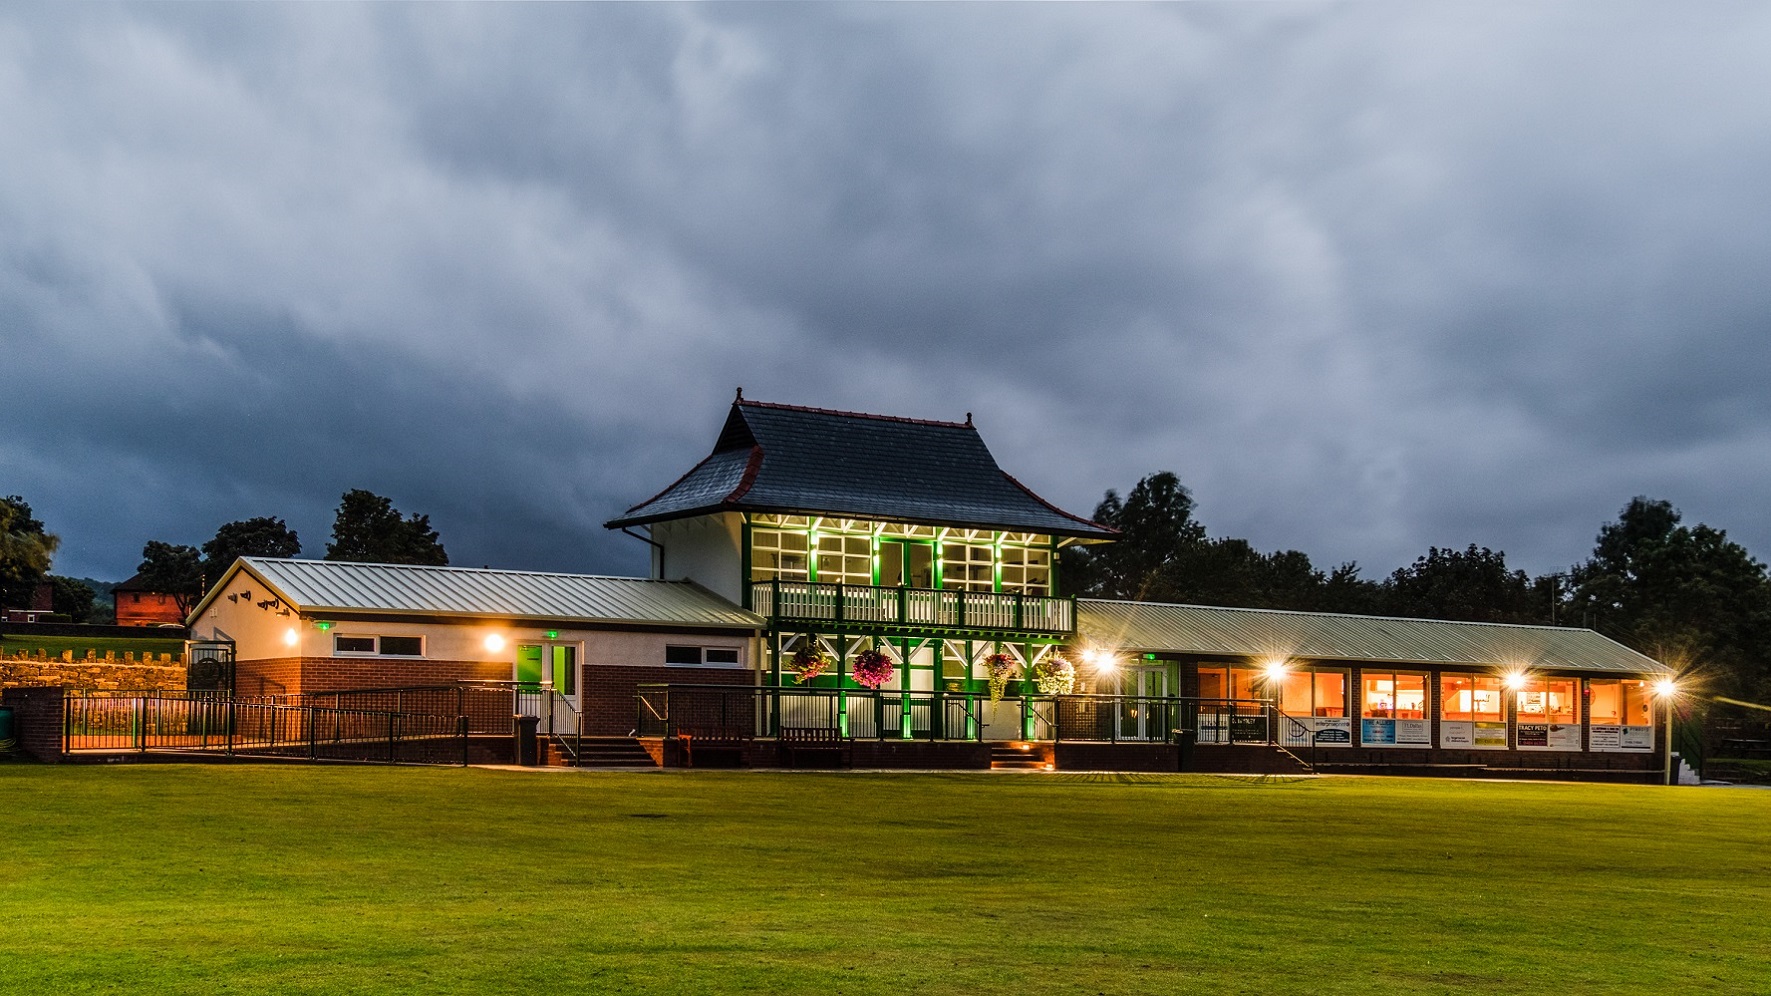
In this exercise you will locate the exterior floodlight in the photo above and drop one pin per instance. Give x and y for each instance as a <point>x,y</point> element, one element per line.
<point>1275,670</point>
<point>290,638</point>
<point>494,643</point>
<point>1099,659</point>
<point>1666,688</point>
<point>1516,680</point>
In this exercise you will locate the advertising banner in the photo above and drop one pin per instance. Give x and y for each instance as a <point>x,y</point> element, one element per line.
<point>1377,732</point>
<point>1333,731</point>
<point>1490,736</point>
<point>1414,733</point>
<point>1534,736</point>
<point>1622,738</point>
<point>1456,733</point>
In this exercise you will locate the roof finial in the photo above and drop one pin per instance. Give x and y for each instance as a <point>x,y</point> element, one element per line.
<point>740,396</point>
<point>968,418</point>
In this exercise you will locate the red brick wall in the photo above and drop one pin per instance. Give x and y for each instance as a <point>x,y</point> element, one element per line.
<point>37,720</point>
<point>607,693</point>
<point>293,675</point>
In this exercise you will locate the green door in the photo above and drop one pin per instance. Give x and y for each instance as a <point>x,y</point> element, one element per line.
<point>562,670</point>
<point>529,664</point>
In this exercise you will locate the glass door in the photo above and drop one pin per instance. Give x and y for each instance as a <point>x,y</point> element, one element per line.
<point>906,564</point>
<point>1144,713</point>
<point>551,666</point>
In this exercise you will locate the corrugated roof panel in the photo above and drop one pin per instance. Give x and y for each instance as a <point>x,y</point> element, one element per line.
<point>1203,629</point>
<point>319,585</point>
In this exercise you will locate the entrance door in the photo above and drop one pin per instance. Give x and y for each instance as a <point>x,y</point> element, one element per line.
<point>549,666</point>
<point>1145,717</point>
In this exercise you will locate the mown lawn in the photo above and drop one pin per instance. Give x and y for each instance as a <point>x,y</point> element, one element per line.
<point>14,644</point>
<point>262,879</point>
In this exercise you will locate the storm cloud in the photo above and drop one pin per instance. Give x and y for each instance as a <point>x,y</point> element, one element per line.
<point>1369,277</point>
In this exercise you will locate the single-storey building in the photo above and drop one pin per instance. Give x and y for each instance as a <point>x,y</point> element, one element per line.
<point>301,627</point>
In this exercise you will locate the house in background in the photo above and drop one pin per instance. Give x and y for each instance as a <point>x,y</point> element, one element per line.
<point>41,604</point>
<point>140,605</point>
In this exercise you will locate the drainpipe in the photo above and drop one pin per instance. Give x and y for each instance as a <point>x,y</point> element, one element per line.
<point>655,545</point>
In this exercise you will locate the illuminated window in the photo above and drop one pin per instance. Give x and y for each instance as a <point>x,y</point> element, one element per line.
<point>1475,698</point>
<point>1224,682</point>
<point>1621,702</point>
<point>1549,700</point>
<point>845,560</point>
<point>968,567</point>
<point>1313,693</point>
<point>1027,570</point>
<point>1393,695</point>
<point>776,554</point>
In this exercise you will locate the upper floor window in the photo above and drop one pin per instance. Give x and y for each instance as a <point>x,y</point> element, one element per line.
<point>845,560</point>
<point>967,567</point>
<point>779,554</point>
<point>1026,570</point>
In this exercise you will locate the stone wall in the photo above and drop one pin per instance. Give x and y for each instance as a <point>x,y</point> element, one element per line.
<point>105,673</point>
<point>37,720</point>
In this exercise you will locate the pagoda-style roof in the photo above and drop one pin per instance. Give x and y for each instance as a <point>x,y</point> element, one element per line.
<point>790,460</point>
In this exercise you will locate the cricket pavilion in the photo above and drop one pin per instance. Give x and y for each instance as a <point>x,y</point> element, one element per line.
<point>849,590</point>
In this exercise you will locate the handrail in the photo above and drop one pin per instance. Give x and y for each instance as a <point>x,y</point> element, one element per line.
<point>907,606</point>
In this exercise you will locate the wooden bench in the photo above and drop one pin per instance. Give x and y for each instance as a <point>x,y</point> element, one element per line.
<point>821,743</point>
<point>727,745</point>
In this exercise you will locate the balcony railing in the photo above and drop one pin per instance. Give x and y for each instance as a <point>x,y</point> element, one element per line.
<point>862,604</point>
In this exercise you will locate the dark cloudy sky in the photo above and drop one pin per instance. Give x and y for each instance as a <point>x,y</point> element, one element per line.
<point>1370,277</point>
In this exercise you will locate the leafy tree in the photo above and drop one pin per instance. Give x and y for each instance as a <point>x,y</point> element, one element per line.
<point>1473,585</point>
<point>1155,523</point>
<point>260,537</point>
<point>173,570</point>
<point>1685,595</point>
<point>73,598</point>
<point>25,551</point>
<point>369,529</point>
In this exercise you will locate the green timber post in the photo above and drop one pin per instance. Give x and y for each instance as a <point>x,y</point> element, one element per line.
<point>974,730</point>
<point>906,724</point>
<point>1026,691</point>
<point>1051,573</point>
<point>842,695</point>
<point>938,702</point>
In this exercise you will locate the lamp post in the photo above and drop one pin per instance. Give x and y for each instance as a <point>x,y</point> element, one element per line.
<point>1665,689</point>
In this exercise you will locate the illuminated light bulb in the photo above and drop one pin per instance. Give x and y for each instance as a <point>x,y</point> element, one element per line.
<point>289,637</point>
<point>494,643</point>
<point>1516,680</point>
<point>1666,687</point>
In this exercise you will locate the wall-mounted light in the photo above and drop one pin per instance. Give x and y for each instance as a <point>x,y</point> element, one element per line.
<point>1515,680</point>
<point>1274,668</point>
<point>1666,688</point>
<point>553,634</point>
<point>1101,660</point>
<point>290,637</point>
<point>494,642</point>
<point>322,625</point>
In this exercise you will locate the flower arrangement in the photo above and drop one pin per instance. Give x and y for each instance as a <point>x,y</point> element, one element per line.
<point>1001,668</point>
<point>873,669</point>
<point>1054,676</point>
<point>808,662</point>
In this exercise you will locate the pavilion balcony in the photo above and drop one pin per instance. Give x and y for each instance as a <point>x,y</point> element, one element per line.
<point>929,608</point>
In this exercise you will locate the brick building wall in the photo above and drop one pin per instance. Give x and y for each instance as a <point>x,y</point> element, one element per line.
<point>36,720</point>
<point>607,700</point>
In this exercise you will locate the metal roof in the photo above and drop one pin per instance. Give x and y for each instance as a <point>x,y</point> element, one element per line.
<point>1146,627</point>
<point>320,586</point>
<point>784,458</point>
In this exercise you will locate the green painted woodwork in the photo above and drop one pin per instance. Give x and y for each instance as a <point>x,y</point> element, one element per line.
<point>529,663</point>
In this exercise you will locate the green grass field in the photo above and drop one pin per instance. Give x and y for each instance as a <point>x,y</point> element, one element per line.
<point>80,644</point>
<point>293,879</point>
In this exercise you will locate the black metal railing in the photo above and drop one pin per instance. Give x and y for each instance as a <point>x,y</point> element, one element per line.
<point>807,601</point>
<point>751,711</point>
<point>219,723</point>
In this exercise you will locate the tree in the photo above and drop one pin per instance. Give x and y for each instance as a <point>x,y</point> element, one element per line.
<point>1473,585</point>
<point>261,537</point>
<point>1155,523</point>
<point>369,529</point>
<point>1685,595</point>
<point>25,551</point>
<point>73,598</point>
<point>172,570</point>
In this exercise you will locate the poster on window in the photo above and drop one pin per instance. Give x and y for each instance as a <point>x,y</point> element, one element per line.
<point>1622,738</point>
<point>1490,736</point>
<point>1413,733</point>
<point>1333,731</point>
<point>1534,736</point>
<point>1455,733</point>
<point>1378,732</point>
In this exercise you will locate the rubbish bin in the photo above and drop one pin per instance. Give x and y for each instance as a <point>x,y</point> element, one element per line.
<point>7,741</point>
<point>528,747</point>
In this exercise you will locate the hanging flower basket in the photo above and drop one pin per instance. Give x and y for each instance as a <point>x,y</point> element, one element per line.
<point>873,669</point>
<point>1054,676</point>
<point>1001,668</point>
<point>809,662</point>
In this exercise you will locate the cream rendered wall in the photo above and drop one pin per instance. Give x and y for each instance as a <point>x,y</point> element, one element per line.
<point>707,549</point>
<point>258,633</point>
